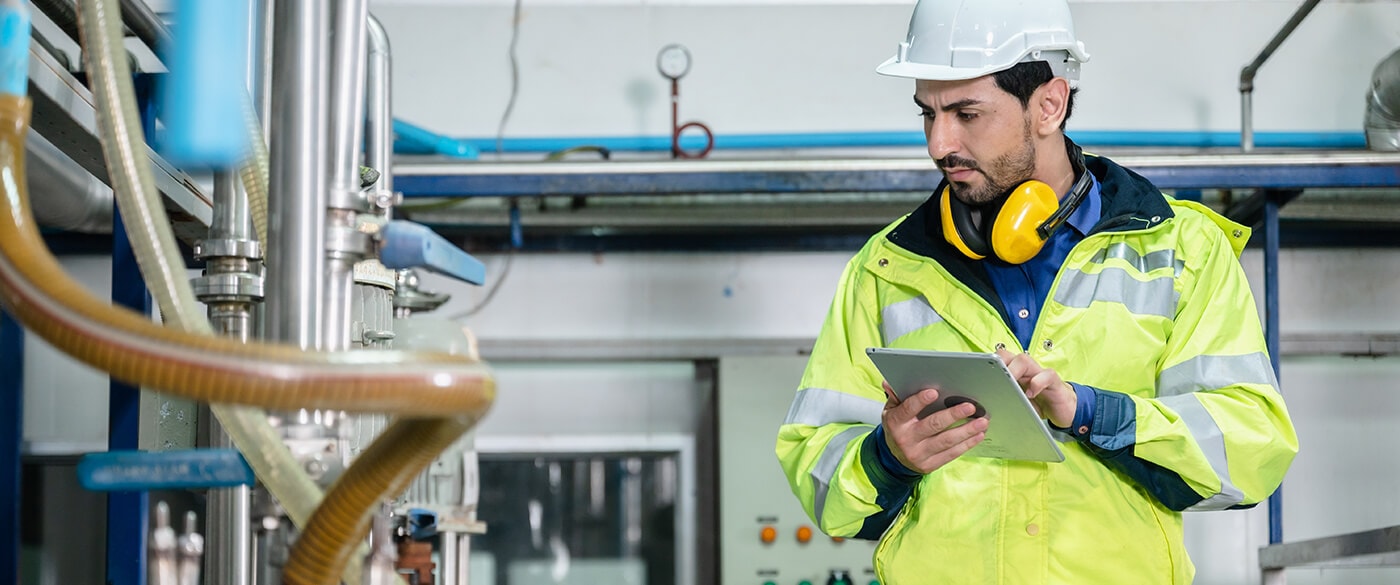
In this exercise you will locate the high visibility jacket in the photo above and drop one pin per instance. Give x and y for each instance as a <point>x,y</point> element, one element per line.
<point>1151,309</point>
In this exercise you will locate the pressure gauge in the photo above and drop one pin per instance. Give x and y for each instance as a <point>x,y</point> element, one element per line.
<point>673,61</point>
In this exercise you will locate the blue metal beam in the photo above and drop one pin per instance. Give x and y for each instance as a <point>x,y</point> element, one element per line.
<point>11,442</point>
<point>1271,331</point>
<point>126,511</point>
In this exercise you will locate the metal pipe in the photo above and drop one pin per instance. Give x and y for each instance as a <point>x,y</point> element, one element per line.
<point>230,219</point>
<point>1248,72</point>
<point>261,62</point>
<point>145,24</point>
<point>344,244</point>
<point>300,94</point>
<point>1383,105</point>
<point>379,113</point>
<point>66,195</point>
<point>449,557</point>
<point>347,100</point>
<point>61,13</point>
<point>227,512</point>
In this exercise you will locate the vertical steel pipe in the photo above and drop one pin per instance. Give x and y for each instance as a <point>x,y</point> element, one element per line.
<point>347,125</point>
<point>227,517</point>
<point>300,95</point>
<point>447,569</point>
<point>379,112</point>
<point>1248,72</point>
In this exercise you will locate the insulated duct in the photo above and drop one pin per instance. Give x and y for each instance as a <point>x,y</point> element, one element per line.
<point>1383,105</point>
<point>65,195</point>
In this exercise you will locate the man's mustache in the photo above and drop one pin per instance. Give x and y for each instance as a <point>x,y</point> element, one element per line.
<point>956,162</point>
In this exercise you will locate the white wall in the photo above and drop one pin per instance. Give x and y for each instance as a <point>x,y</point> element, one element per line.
<point>588,68</point>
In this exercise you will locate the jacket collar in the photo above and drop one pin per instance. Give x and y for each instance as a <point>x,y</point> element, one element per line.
<point>1128,201</point>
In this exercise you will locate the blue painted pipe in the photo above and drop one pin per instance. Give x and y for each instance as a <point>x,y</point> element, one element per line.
<point>14,48</point>
<point>416,140</point>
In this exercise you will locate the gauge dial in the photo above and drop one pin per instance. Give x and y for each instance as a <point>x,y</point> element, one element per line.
<point>673,61</point>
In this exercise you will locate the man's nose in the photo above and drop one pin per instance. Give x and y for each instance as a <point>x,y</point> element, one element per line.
<point>942,139</point>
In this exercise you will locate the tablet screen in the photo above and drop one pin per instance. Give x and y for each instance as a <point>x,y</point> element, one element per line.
<point>1014,430</point>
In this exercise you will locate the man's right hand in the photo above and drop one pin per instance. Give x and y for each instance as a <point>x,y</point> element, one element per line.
<point>924,445</point>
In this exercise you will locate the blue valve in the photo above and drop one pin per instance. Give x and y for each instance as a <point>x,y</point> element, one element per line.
<point>412,245</point>
<point>134,471</point>
<point>422,523</point>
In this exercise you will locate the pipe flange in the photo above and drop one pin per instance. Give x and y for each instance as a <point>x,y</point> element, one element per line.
<point>238,286</point>
<point>227,248</point>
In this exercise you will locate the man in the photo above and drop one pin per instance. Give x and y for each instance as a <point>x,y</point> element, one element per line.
<point>1131,328</point>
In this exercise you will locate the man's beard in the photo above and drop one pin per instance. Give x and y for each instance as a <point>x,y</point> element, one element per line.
<point>1004,173</point>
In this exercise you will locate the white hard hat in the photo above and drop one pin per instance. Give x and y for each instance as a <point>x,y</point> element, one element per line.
<point>963,39</point>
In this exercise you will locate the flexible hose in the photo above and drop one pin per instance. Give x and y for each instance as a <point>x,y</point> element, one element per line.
<point>254,173</point>
<point>137,351</point>
<point>162,264</point>
<point>382,470</point>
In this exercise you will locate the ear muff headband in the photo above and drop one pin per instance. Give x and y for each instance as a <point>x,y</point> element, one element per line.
<point>1019,227</point>
<point>958,227</point>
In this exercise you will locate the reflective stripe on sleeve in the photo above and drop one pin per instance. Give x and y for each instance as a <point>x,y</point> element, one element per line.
<point>1078,289</point>
<point>1212,443</point>
<point>825,468</point>
<point>820,406</point>
<point>905,317</point>
<point>1152,261</point>
<point>1208,372</point>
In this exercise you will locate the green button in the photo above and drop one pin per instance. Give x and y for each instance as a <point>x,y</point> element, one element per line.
<point>874,582</point>
<point>804,582</point>
<point>769,583</point>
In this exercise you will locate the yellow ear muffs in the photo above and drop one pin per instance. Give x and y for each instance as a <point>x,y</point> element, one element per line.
<point>958,227</point>
<point>1014,236</point>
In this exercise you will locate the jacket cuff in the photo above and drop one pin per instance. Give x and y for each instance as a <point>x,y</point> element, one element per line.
<point>1114,424</point>
<point>886,473</point>
<point>1085,398</point>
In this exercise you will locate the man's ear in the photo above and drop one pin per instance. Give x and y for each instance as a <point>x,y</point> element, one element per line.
<point>1051,100</point>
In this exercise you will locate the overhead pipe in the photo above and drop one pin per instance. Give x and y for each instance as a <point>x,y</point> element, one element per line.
<point>145,24</point>
<point>1383,106</point>
<point>67,196</point>
<point>1247,74</point>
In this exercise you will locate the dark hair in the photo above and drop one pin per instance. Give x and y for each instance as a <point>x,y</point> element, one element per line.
<point>1023,79</point>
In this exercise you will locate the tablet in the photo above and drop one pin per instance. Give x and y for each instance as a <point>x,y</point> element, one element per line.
<point>1014,430</point>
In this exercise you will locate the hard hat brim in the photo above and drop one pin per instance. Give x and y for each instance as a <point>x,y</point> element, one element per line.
<point>894,68</point>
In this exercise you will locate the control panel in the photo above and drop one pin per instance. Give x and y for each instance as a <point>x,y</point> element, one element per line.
<point>765,536</point>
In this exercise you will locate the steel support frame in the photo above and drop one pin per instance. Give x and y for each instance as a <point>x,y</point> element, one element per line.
<point>1273,200</point>
<point>11,442</point>
<point>127,512</point>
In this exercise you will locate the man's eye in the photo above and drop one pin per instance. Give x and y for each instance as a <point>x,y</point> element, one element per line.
<point>967,116</point>
<point>925,114</point>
